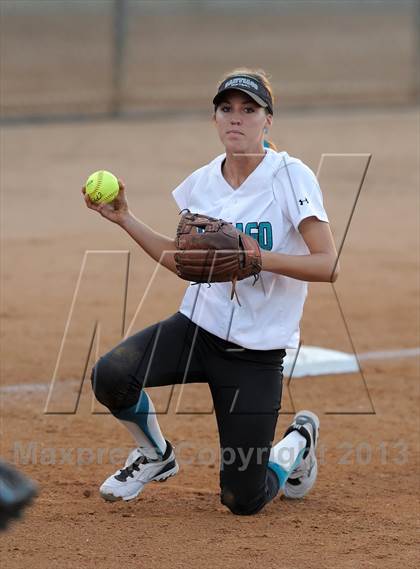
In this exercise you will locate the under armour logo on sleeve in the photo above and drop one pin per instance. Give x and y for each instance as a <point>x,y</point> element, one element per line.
<point>301,202</point>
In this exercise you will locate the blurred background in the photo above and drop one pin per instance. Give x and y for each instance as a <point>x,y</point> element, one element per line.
<point>95,57</point>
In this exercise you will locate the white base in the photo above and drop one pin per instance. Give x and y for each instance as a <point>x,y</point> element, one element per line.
<point>319,361</point>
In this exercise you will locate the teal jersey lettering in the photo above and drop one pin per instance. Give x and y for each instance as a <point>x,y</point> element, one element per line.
<point>262,232</point>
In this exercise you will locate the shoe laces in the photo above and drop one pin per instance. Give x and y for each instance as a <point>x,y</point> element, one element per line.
<point>303,469</point>
<point>128,471</point>
<point>300,470</point>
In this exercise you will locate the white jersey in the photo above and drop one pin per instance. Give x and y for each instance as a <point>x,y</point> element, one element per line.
<point>269,205</point>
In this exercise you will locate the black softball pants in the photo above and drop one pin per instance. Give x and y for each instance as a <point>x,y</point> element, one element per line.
<point>245,385</point>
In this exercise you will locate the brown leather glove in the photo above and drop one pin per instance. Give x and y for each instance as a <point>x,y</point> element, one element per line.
<point>213,250</point>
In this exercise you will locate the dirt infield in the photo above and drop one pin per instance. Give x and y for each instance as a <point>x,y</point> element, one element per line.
<point>363,511</point>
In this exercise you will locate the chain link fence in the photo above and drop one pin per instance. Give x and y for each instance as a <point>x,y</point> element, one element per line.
<point>94,57</point>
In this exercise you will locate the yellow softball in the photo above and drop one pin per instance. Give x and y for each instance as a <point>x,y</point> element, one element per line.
<point>102,187</point>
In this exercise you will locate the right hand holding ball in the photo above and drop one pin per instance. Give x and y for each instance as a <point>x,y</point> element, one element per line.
<point>102,187</point>
<point>104,193</point>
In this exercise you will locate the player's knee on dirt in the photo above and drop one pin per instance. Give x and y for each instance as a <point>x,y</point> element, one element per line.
<point>241,505</point>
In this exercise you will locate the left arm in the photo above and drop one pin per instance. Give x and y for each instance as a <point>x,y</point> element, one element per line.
<point>320,265</point>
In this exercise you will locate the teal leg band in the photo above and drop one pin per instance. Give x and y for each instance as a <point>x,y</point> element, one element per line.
<point>138,414</point>
<point>281,473</point>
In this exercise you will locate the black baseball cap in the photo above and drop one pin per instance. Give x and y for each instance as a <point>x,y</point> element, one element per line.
<point>249,85</point>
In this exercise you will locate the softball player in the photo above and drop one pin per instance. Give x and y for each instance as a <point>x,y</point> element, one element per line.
<point>236,346</point>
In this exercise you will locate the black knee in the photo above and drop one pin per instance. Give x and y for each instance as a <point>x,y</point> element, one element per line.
<point>103,384</point>
<point>112,383</point>
<point>241,505</point>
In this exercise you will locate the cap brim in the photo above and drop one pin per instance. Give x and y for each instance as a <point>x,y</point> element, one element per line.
<point>219,97</point>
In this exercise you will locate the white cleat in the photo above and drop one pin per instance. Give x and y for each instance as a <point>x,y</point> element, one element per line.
<point>128,482</point>
<point>303,477</point>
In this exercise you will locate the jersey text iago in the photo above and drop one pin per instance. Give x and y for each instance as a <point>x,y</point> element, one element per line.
<point>262,232</point>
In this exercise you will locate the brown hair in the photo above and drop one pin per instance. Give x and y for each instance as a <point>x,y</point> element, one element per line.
<point>260,75</point>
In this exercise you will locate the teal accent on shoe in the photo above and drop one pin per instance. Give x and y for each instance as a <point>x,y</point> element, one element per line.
<point>138,414</point>
<point>282,474</point>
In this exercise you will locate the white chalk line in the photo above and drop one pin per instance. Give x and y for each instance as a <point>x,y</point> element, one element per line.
<point>375,355</point>
<point>390,354</point>
<point>31,387</point>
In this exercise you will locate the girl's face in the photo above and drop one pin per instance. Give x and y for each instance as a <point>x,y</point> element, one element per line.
<point>240,123</point>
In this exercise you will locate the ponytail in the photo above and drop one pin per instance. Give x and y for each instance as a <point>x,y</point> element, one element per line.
<point>269,144</point>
